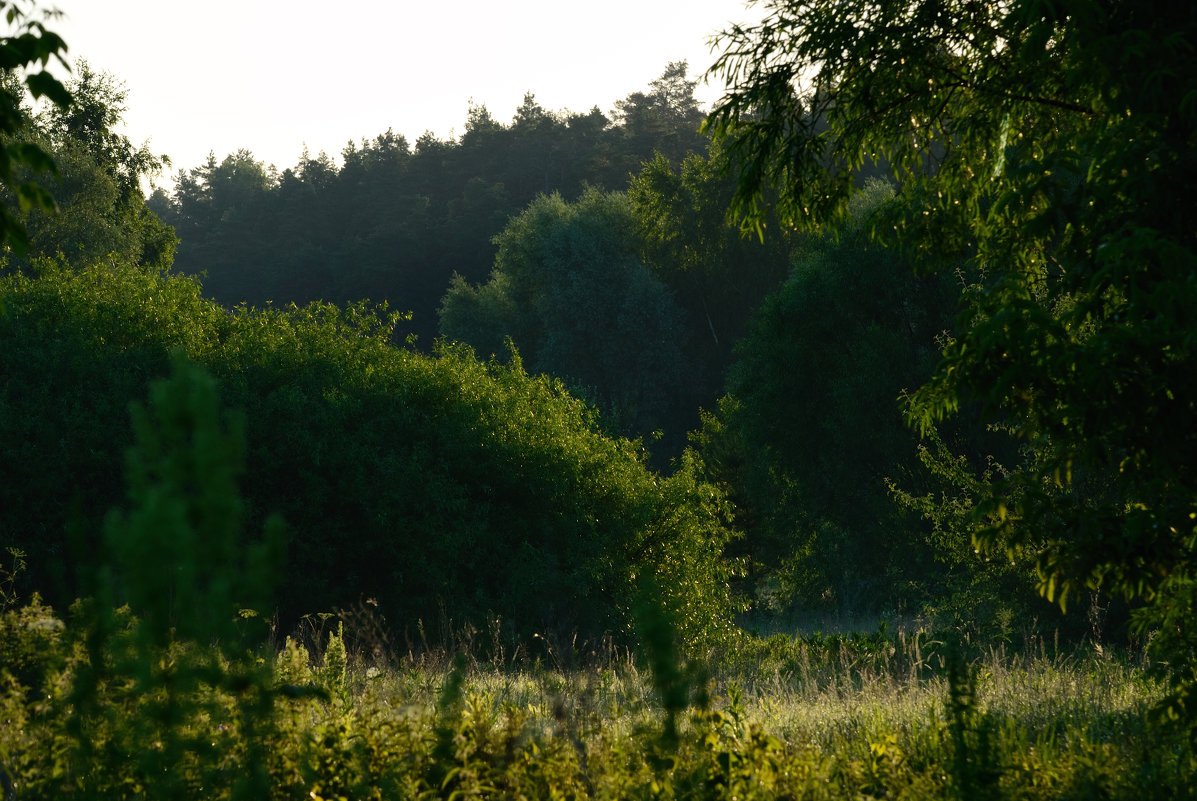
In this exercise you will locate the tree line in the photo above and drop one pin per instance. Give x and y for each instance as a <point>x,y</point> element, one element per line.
<point>396,220</point>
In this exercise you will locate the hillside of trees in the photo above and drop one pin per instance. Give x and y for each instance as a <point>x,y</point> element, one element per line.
<point>343,447</point>
<point>646,301</point>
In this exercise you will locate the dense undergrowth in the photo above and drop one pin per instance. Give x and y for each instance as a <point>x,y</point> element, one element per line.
<point>847,717</point>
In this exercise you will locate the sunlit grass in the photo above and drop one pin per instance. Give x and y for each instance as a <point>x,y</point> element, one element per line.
<point>848,716</point>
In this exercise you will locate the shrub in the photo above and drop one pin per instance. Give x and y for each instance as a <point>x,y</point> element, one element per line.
<point>447,488</point>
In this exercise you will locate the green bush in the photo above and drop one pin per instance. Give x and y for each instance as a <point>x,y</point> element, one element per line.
<point>446,488</point>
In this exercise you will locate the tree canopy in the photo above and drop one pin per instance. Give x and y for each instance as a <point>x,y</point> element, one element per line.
<point>570,291</point>
<point>101,209</point>
<point>718,274</point>
<point>1050,143</point>
<point>398,219</point>
<point>811,428</point>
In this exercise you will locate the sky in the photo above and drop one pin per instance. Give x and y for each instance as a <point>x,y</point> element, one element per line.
<point>272,76</point>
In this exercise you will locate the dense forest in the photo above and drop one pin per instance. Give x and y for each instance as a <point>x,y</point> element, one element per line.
<point>698,393</point>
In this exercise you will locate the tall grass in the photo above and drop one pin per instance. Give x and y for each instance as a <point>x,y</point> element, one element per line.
<point>855,716</point>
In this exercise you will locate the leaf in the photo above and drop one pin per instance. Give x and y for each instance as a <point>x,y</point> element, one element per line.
<point>34,157</point>
<point>33,196</point>
<point>43,84</point>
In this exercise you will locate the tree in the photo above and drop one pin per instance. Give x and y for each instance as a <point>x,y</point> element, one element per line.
<point>1051,143</point>
<point>238,182</point>
<point>810,438</point>
<point>720,275</point>
<point>29,45</point>
<point>665,119</point>
<point>101,209</point>
<point>570,290</point>
<point>396,222</point>
<point>92,121</point>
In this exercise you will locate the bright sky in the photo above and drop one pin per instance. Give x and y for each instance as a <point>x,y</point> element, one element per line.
<point>273,75</point>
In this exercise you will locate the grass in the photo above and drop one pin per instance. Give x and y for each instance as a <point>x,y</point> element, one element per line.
<point>820,717</point>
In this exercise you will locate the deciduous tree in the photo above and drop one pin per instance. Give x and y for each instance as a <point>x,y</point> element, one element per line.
<point>1054,143</point>
<point>570,290</point>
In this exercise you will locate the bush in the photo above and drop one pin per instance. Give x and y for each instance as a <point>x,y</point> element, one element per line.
<point>446,488</point>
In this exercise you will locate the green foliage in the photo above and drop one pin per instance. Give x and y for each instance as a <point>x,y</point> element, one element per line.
<point>334,672</point>
<point>663,121</point>
<point>1050,143</point>
<point>92,120</point>
<point>679,683</point>
<point>812,429</point>
<point>130,699</point>
<point>30,645</point>
<point>27,43</point>
<point>86,348</point>
<point>980,594</point>
<point>398,219</point>
<point>1034,729</point>
<point>176,558</point>
<point>101,210</point>
<point>292,666</point>
<point>8,577</point>
<point>447,488</point>
<point>974,768</point>
<point>718,275</point>
<point>572,295</point>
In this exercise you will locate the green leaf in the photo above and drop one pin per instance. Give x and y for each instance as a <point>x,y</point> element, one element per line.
<point>43,84</point>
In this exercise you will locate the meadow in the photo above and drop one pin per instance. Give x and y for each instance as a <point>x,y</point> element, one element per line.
<point>338,712</point>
